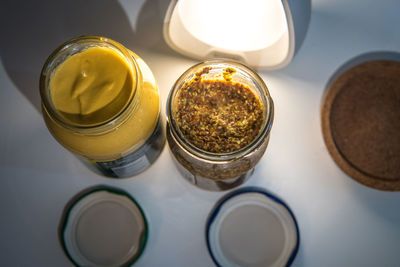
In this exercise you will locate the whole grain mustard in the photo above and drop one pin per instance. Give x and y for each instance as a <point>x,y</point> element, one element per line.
<point>218,116</point>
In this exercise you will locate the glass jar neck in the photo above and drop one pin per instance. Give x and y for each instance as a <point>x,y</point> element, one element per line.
<point>74,47</point>
<point>250,75</point>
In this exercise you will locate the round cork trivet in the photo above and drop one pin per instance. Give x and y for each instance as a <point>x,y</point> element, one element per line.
<point>360,119</point>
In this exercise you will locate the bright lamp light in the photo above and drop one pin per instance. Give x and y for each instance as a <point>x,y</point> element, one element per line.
<point>261,33</point>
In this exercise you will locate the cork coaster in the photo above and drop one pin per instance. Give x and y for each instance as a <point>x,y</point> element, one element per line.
<point>360,120</point>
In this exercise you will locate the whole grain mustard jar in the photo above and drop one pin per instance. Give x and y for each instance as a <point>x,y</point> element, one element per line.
<point>219,117</point>
<point>101,102</point>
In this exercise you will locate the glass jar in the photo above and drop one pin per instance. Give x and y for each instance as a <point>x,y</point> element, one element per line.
<point>108,115</point>
<point>199,160</point>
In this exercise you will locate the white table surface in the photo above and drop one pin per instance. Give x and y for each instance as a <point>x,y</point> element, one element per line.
<point>342,223</point>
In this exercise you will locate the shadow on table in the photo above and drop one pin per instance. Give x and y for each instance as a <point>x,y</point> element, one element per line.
<point>334,36</point>
<point>384,204</point>
<point>370,56</point>
<point>32,30</point>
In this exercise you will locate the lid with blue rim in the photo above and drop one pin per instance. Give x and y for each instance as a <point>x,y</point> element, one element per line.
<point>103,227</point>
<point>251,227</point>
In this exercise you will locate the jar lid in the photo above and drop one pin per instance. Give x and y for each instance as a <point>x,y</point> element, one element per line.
<point>103,227</point>
<point>251,227</point>
<point>360,119</point>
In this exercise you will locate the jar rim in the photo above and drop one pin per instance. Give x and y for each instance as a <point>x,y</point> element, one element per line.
<point>59,55</point>
<point>268,105</point>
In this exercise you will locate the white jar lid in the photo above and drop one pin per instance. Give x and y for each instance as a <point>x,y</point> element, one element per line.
<point>251,227</point>
<point>104,227</point>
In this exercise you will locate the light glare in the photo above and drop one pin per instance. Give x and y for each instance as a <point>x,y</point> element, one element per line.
<point>234,25</point>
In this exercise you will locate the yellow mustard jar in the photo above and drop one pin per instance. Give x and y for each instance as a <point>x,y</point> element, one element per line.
<point>101,102</point>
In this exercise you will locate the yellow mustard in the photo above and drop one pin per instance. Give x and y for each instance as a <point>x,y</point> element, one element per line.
<point>92,86</point>
<point>102,103</point>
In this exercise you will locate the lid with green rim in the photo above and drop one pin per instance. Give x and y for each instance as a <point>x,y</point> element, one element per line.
<point>251,227</point>
<point>104,227</point>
